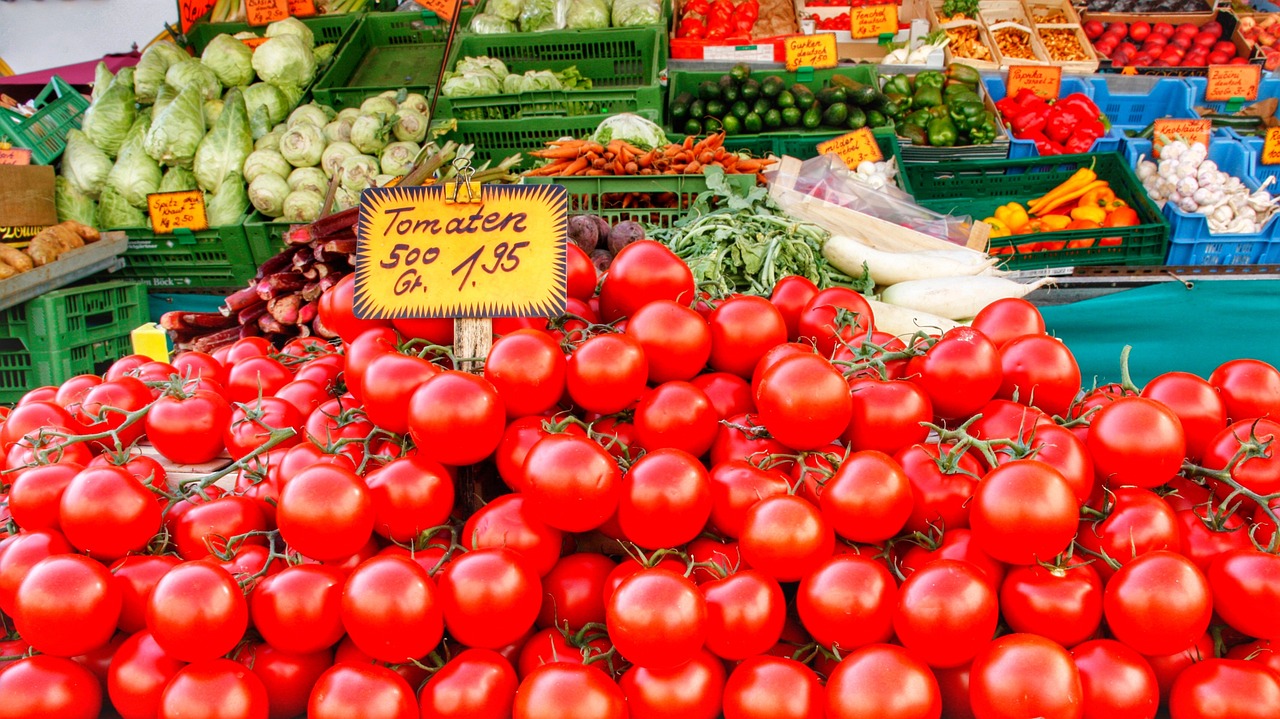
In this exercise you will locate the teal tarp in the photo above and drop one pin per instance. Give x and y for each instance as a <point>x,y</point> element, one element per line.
<point>1170,328</point>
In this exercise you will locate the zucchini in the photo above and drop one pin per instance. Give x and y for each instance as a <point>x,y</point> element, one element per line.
<point>856,92</point>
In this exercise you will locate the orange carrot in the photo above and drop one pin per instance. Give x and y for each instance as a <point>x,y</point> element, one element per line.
<point>693,168</point>
<point>577,166</point>
<point>553,168</point>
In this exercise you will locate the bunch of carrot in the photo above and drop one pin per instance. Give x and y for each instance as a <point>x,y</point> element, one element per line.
<point>584,157</point>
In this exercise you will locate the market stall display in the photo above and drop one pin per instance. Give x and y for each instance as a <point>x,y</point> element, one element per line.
<point>797,440</point>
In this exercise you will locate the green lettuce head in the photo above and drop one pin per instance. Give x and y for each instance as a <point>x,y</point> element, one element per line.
<point>176,134</point>
<point>230,60</point>
<point>113,114</point>
<point>229,204</point>
<point>285,60</point>
<point>292,26</point>
<point>84,165</point>
<point>224,150</point>
<point>135,174</point>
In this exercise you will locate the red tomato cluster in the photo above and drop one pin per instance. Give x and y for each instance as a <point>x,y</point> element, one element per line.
<point>1142,44</point>
<point>696,507</point>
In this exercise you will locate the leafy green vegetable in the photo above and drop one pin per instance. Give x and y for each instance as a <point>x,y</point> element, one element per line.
<point>230,60</point>
<point>743,243</point>
<point>193,73</point>
<point>632,13</point>
<point>112,115</point>
<point>292,26</point>
<point>135,174</point>
<point>508,10</point>
<point>476,84</point>
<point>178,179</point>
<point>175,135</point>
<point>73,204</point>
<point>966,8</point>
<point>164,97</point>
<point>285,60</point>
<point>229,204</point>
<point>482,23</point>
<point>101,81</point>
<point>275,106</point>
<point>115,212</point>
<point>213,111</point>
<point>483,64</point>
<point>542,15</point>
<point>84,165</point>
<point>587,15</point>
<point>149,73</point>
<point>224,150</point>
<point>639,131</point>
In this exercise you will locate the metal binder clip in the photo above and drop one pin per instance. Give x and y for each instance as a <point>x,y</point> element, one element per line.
<point>464,190</point>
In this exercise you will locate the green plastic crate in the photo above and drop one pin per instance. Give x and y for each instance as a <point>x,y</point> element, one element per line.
<point>624,65</point>
<point>327,29</point>
<point>215,258</point>
<point>61,109</point>
<point>681,82</point>
<point>495,140</point>
<point>804,146</point>
<point>386,51</point>
<point>265,236</point>
<point>75,316</point>
<point>479,7</point>
<point>977,188</point>
<point>603,195</point>
<point>22,371</point>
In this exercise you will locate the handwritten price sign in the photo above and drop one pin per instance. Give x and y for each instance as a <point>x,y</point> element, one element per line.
<point>1044,81</point>
<point>873,21</point>
<point>854,147</point>
<point>815,51</point>
<point>171,210</point>
<point>15,156</point>
<point>263,12</point>
<point>1227,82</point>
<point>192,10</point>
<point>1271,147</point>
<point>302,8</point>
<point>1192,131</point>
<point>446,9</point>
<point>418,255</point>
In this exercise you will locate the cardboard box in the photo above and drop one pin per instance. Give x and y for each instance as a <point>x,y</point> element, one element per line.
<point>1230,29</point>
<point>26,196</point>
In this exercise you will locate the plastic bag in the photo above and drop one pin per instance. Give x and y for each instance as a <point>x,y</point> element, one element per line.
<point>587,15</point>
<point>543,15</point>
<point>632,13</point>
<point>828,178</point>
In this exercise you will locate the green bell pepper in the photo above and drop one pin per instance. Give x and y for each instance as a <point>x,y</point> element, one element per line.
<point>984,130</point>
<point>919,118</point>
<point>926,96</point>
<point>963,73</point>
<point>895,105</point>
<point>956,90</point>
<point>899,84</point>
<point>930,78</point>
<point>966,114</point>
<point>916,135</point>
<point>942,132</point>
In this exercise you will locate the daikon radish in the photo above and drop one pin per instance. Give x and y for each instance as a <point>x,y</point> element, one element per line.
<point>956,297</point>
<point>904,321</point>
<point>886,268</point>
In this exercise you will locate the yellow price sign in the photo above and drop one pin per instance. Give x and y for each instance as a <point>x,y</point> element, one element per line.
<point>873,21</point>
<point>421,254</point>
<point>1192,131</point>
<point>15,156</point>
<point>1271,147</point>
<point>815,51</point>
<point>854,147</point>
<point>172,210</point>
<point>264,12</point>
<point>1043,80</point>
<point>1227,82</point>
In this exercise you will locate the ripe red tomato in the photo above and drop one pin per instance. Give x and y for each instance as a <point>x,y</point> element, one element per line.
<point>1246,591</point>
<point>388,384</point>
<point>833,316</point>
<point>32,417</point>
<point>509,522</point>
<point>527,368</point>
<point>665,499</point>
<point>391,609</point>
<point>607,373</point>
<point>1261,473</point>
<point>252,422</point>
<point>657,619</point>
<point>569,691</point>
<point>868,499</point>
<point>691,691</point>
<point>1225,688</point>
<point>197,612</point>
<point>207,526</point>
<point>105,406</point>
<point>1008,318</point>
<point>946,613</point>
<point>848,602</point>
<point>456,418</point>
<point>325,512</point>
<point>46,686</point>
<point>1250,389</point>
<point>730,394</point>
<point>108,513</point>
<point>475,684</point>
<point>676,415</point>
<point>1023,512</point>
<point>366,347</point>
<point>255,377</point>
<point>337,313</point>
<point>938,497</point>
<point>1040,371</point>
<point>135,576</point>
<point>644,271</point>
<point>189,430</point>
<point>214,689</point>
<point>410,495</point>
<point>1136,441</point>
<point>36,493</point>
<point>743,329</point>
<point>768,687</point>
<point>138,674</point>
<point>676,340</point>
<point>573,591</point>
<point>299,610</point>
<point>955,544</point>
<point>1198,405</point>
<point>745,614</point>
<point>804,401</point>
<point>790,295</point>
<point>368,691</point>
<point>960,373</point>
<point>67,605</point>
<point>21,552</point>
<point>785,537</point>
<point>736,485</point>
<point>882,681</point>
<point>888,416</point>
<point>1025,675</point>
<point>1117,682</point>
<point>581,274</point>
<point>572,483</point>
<point>1062,603</point>
<point>1158,603</point>
<point>288,678</point>
<point>490,597</point>
<point>1138,522</point>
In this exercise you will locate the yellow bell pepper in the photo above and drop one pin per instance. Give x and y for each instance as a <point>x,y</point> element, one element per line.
<point>1093,213</point>
<point>1053,223</point>
<point>998,227</point>
<point>1013,215</point>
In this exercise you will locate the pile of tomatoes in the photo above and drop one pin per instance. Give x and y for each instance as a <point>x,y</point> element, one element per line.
<point>662,504</point>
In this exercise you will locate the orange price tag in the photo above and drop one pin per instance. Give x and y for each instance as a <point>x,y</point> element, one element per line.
<point>192,10</point>
<point>302,8</point>
<point>873,21</point>
<point>263,12</point>
<point>1190,130</point>
<point>171,210</point>
<point>815,51</point>
<point>15,156</point>
<point>1271,147</point>
<point>254,42</point>
<point>1227,82</point>
<point>446,9</point>
<point>1045,81</point>
<point>854,147</point>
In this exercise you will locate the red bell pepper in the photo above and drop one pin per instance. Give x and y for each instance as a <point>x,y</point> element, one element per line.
<point>1030,121</point>
<point>1061,122</point>
<point>1043,144</point>
<point>697,7</point>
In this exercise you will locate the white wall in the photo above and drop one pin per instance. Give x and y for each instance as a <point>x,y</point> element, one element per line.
<point>39,34</point>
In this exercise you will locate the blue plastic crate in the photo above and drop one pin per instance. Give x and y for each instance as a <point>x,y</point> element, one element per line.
<point>1260,171</point>
<point>1145,103</point>
<point>1269,87</point>
<point>1019,149</point>
<point>1190,242</point>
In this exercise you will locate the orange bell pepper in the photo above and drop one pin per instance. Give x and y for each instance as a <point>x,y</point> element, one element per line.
<point>1098,197</point>
<point>1054,223</point>
<point>1083,225</point>
<point>1122,217</point>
